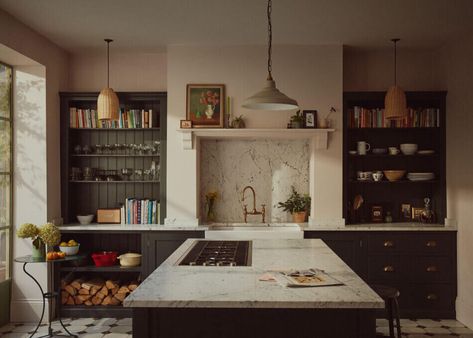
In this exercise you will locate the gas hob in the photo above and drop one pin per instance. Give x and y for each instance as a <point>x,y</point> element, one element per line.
<point>218,253</point>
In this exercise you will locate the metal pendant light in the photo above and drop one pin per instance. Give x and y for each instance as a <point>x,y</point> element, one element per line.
<point>270,98</point>
<point>107,103</point>
<point>395,104</point>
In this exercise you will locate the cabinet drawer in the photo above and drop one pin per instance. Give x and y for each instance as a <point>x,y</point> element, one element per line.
<point>431,243</point>
<point>432,297</point>
<point>386,243</point>
<point>430,269</point>
<point>384,268</point>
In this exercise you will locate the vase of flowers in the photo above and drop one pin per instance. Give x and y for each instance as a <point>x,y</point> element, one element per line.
<point>209,99</point>
<point>298,205</point>
<point>50,235</point>
<point>210,198</point>
<point>28,230</point>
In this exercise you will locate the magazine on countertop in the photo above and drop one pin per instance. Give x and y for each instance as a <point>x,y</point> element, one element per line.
<point>305,278</point>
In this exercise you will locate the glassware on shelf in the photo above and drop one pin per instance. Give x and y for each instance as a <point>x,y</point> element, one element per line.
<point>78,149</point>
<point>76,173</point>
<point>86,149</point>
<point>106,149</point>
<point>138,174</point>
<point>157,147</point>
<point>98,149</point>
<point>147,175</point>
<point>126,173</point>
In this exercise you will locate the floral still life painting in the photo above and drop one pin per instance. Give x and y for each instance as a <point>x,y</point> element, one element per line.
<point>205,105</point>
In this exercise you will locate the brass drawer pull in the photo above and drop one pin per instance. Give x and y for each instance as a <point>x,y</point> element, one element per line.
<point>388,244</point>
<point>432,268</point>
<point>431,244</point>
<point>389,268</point>
<point>432,296</point>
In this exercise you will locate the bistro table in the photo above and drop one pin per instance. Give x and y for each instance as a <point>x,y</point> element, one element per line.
<point>49,295</point>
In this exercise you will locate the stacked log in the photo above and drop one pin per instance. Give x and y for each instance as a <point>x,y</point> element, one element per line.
<point>95,291</point>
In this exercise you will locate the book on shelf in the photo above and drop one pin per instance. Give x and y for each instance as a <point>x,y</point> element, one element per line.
<point>140,211</point>
<point>127,119</point>
<point>360,117</point>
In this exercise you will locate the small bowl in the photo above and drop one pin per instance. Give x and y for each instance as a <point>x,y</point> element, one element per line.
<point>379,151</point>
<point>352,152</point>
<point>70,250</point>
<point>394,175</point>
<point>85,219</point>
<point>408,148</point>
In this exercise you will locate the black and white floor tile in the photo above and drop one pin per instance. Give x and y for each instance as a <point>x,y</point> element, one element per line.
<point>121,328</point>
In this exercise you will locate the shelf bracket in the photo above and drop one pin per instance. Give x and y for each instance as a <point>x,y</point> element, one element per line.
<point>186,139</point>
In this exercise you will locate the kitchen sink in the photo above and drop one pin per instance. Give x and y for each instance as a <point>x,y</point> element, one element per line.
<point>254,231</point>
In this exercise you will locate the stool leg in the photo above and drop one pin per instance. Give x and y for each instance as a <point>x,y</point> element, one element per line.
<point>389,307</point>
<point>398,320</point>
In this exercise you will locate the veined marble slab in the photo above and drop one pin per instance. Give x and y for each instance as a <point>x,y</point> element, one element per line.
<point>129,227</point>
<point>381,227</point>
<point>239,287</point>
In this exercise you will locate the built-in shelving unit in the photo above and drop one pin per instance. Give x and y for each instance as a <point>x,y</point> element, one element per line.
<point>390,195</point>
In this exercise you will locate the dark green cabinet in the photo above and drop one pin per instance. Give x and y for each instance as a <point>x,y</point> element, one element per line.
<point>421,264</point>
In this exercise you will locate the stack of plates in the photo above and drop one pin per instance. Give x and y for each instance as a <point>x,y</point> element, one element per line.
<point>426,152</point>
<point>420,176</point>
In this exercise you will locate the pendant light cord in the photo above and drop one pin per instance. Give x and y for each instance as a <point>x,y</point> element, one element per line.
<point>108,61</point>
<point>395,60</point>
<point>270,39</point>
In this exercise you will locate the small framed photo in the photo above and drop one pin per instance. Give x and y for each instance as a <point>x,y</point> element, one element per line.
<point>186,124</point>
<point>205,105</point>
<point>416,213</point>
<point>310,118</point>
<point>406,211</point>
<point>377,214</point>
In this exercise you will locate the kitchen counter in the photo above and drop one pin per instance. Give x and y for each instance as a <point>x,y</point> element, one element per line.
<point>381,227</point>
<point>128,227</point>
<point>238,304</point>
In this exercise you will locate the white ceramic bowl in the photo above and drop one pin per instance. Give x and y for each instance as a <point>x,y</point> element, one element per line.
<point>409,148</point>
<point>85,219</point>
<point>130,259</point>
<point>70,250</point>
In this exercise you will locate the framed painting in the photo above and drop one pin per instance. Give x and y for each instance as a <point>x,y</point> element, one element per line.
<point>205,105</point>
<point>310,118</point>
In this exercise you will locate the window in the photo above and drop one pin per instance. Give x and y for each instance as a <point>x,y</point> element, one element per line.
<point>6,85</point>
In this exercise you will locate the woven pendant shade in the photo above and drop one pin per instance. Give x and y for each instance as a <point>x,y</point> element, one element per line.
<point>107,105</point>
<point>395,104</point>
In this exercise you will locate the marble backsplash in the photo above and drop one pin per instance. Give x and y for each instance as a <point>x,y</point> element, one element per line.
<point>271,167</point>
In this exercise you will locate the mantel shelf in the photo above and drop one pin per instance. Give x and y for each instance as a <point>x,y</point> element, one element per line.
<point>319,136</point>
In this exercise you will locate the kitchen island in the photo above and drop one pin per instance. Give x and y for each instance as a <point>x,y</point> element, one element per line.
<point>219,301</point>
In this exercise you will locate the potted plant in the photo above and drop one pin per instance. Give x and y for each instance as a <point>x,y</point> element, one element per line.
<point>50,235</point>
<point>28,230</point>
<point>238,122</point>
<point>298,205</point>
<point>297,120</point>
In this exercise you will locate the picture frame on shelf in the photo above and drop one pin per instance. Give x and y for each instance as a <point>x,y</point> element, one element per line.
<point>377,214</point>
<point>205,106</point>
<point>406,211</point>
<point>416,212</point>
<point>310,118</point>
<point>186,124</point>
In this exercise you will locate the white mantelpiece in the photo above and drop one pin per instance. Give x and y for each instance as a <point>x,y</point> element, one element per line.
<point>318,136</point>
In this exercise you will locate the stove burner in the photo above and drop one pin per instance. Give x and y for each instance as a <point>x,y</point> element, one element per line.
<point>218,253</point>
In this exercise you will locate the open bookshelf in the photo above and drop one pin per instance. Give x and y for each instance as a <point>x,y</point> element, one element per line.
<point>425,127</point>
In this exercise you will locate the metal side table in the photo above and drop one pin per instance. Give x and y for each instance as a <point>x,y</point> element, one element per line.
<point>49,295</point>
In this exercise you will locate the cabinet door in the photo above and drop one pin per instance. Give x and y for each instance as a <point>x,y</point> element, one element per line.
<point>347,245</point>
<point>160,245</point>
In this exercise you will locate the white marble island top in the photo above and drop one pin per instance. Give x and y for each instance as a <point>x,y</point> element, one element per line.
<point>239,287</point>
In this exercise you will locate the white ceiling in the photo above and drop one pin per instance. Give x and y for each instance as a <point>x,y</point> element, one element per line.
<point>151,24</point>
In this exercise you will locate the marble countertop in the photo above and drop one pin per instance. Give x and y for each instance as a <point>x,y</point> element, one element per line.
<point>381,227</point>
<point>129,227</point>
<point>239,287</point>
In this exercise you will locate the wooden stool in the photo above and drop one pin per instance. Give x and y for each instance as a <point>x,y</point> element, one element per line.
<point>390,296</point>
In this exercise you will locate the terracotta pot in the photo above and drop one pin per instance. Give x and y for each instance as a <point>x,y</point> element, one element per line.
<point>298,217</point>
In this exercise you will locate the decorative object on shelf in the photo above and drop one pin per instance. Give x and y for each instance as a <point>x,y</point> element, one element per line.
<point>408,148</point>
<point>379,151</point>
<point>298,205</point>
<point>186,124</point>
<point>297,120</point>
<point>393,151</point>
<point>394,175</point>
<point>270,98</point>
<point>50,235</point>
<point>206,105</point>
<point>355,209</point>
<point>107,102</point>
<point>416,212</point>
<point>108,215</point>
<point>406,212</point>
<point>210,199</point>
<point>85,219</point>
<point>130,259</point>
<point>395,103</point>
<point>378,176</point>
<point>326,122</point>
<point>363,147</point>
<point>377,214</point>
<point>426,152</point>
<point>310,118</point>
<point>389,217</point>
<point>70,248</point>
<point>238,122</point>
<point>416,177</point>
<point>105,258</point>
<point>228,114</point>
<point>364,175</point>
<point>352,152</point>
<point>427,215</point>
<point>28,230</point>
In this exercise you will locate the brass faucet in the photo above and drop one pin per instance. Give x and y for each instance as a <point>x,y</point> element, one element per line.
<point>254,211</point>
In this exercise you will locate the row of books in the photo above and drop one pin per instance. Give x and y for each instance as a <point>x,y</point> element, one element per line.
<point>140,211</point>
<point>360,117</point>
<point>129,119</point>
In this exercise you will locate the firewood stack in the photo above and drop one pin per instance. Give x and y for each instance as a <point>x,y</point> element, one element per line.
<point>95,291</point>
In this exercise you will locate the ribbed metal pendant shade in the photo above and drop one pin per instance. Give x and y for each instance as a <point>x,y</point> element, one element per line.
<point>107,102</point>
<point>395,103</point>
<point>270,98</point>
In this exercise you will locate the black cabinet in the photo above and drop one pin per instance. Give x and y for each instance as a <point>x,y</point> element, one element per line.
<point>158,246</point>
<point>421,264</point>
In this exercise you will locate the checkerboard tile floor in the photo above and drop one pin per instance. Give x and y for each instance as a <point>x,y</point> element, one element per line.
<point>121,328</point>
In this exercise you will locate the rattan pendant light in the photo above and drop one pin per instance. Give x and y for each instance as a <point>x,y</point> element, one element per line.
<point>270,98</point>
<point>107,103</point>
<point>395,104</point>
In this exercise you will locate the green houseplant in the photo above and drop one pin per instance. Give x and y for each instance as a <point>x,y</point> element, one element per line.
<point>298,205</point>
<point>297,120</point>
